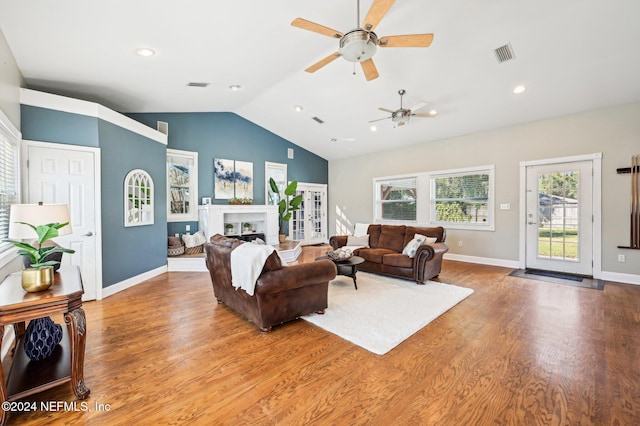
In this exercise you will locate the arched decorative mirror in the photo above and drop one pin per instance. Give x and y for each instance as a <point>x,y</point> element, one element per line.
<point>138,198</point>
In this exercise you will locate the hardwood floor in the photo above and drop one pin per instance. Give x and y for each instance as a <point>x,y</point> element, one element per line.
<point>516,352</point>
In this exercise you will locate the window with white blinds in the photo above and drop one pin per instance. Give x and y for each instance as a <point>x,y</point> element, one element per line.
<point>8,178</point>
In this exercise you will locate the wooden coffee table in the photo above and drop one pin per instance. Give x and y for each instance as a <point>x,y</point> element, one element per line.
<point>348,267</point>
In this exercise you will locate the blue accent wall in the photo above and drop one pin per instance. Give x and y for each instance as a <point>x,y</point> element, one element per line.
<point>126,252</point>
<point>229,136</point>
<point>49,125</point>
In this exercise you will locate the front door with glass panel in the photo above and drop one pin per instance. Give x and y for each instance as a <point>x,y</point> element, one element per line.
<point>559,217</point>
<point>309,224</point>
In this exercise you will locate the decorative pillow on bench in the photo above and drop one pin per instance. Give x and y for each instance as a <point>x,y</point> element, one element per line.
<point>412,246</point>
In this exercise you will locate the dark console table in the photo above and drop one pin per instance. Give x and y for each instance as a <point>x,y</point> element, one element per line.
<point>66,364</point>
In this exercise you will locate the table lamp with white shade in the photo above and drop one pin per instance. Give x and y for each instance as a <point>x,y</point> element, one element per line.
<point>38,224</point>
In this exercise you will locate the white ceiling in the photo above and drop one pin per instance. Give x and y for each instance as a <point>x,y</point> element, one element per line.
<point>573,55</point>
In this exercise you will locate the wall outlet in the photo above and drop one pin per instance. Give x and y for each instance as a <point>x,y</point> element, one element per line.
<point>621,258</point>
<point>459,243</point>
<point>188,228</point>
<point>505,206</point>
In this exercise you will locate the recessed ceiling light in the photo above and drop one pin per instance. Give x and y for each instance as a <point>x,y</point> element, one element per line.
<point>145,51</point>
<point>519,89</point>
<point>373,128</point>
<point>235,87</point>
<point>298,108</point>
<point>334,140</point>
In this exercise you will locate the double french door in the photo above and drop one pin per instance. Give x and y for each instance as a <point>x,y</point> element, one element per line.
<point>309,224</point>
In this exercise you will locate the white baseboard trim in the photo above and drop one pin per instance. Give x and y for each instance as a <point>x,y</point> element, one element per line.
<point>483,260</point>
<point>606,276</point>
<point>128,283</point>
<point>620,277</point>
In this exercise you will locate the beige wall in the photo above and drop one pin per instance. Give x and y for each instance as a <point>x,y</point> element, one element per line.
<point>10,82</point>
<point>614,132</point>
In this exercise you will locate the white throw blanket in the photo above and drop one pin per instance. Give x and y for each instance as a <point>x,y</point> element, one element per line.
<point>247,261</point>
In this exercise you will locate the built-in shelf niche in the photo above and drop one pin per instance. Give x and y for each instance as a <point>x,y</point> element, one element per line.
<point>213,219</point>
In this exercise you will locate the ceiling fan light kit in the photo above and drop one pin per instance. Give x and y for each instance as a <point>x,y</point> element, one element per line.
<point>402,115</point>
<point>360,44</point>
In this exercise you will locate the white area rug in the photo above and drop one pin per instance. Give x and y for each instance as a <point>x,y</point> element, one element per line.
<point>384,311</point>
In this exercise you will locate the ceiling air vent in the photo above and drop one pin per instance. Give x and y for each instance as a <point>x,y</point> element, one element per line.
<point>504,53</point>
<point>197,84</point>
<point>318,120</point>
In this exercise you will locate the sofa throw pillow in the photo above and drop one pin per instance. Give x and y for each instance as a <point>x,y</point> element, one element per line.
<point>360,229</point>
<point>412,246</point>
<point>360,241</point>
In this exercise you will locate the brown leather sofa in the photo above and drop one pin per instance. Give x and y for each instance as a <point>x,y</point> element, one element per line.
<point>281,294</point>
<point>384,255</point>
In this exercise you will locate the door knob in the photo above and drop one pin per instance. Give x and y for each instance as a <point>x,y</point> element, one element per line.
<point>88,234</point>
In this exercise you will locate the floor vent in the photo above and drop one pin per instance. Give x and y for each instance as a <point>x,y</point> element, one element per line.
<point>197,84</point>
<point>318,120</point>
<point>504,53</point>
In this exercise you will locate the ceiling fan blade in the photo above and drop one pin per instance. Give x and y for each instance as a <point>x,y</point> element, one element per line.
<point>379,119</point>
<point>378,9</point>
<point>386,110</point>
<point>321,63</point>
<point>424,114</point>
<point>369,69</point>
<point>413,40</point>
<point>316,28</point>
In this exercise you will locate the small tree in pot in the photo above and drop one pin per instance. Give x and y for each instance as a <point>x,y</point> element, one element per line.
<point>286,206</point>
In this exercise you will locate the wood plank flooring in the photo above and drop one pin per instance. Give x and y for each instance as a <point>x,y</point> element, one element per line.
<point>516,352</point>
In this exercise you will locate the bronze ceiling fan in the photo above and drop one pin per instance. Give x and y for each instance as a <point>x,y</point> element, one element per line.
<point>360,44</point>
<point>403,115</point>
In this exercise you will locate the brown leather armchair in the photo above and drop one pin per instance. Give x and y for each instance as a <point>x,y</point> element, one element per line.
<point>281,294</point>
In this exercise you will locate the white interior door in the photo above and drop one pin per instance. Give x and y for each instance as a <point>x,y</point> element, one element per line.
<point>559,222</point>
<point>68,174</point>
<point>309,224</point>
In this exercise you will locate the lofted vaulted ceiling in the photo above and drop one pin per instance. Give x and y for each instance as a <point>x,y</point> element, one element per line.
<point>572,55</point>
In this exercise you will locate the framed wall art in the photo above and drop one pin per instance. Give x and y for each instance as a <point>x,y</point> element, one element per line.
<point>232,179</point>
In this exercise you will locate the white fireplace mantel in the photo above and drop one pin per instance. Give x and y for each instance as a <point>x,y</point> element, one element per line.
<point>214,219</point>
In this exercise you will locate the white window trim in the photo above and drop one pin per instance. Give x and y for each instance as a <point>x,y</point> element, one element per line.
<point>268,167</point>
<point>377,204</point>
<point>490,224</point>
<point>10,253</point>
<point>423,200</point>
<point>193,188</point>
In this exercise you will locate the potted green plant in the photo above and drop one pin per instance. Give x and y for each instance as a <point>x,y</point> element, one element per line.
<point>286,206</point>
<point>246,227</point>
<point>228,228</point>
<point>40,260</point>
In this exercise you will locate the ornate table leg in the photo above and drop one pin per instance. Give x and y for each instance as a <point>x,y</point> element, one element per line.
<point>77,326</point>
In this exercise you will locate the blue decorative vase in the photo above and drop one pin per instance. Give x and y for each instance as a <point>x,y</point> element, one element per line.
<point>41,338</point>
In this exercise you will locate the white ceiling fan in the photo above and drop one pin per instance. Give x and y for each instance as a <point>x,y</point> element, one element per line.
<point>360,44</point>
<point>403,115</point>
